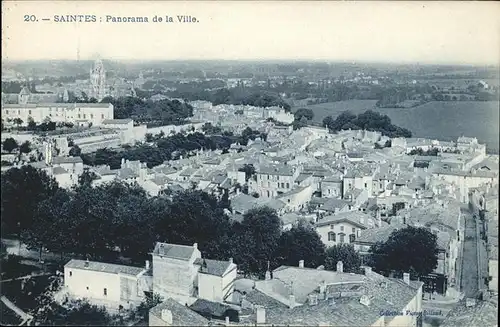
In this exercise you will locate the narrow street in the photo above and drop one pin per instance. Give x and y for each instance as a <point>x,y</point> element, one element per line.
<point>469,275</point>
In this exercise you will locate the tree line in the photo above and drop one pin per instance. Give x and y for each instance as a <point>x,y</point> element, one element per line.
<point>118,220</point>
<point>152,113</point>
<point>369,120</point>
<point>166,148</point>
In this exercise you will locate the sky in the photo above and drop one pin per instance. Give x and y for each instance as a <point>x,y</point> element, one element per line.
<point>399,32</point>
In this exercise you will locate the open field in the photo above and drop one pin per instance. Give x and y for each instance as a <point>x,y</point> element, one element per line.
<point>443,120</point>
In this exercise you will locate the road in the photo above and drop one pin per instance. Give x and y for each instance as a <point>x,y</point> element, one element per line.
<point>469,276</point>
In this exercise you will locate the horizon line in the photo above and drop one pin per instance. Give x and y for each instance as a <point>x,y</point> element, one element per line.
<point>298,60</point>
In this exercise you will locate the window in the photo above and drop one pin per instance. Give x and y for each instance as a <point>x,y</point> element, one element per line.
<point>102,116</point>
<point>91,116</point>
<point>105,292</point>
<point>29,112</point>
<point>287,185</point>
<point>268,177</point>
<point>353,230</point>
<point>352,237</point>
<point>84,116</point>
<point>332,237</point>
<point>19,112</point>
<point>79,116</point>
<point>70,273</point>
<point>342,237</point>
<point>332,226</point>
<point>366,185</point>
<point>341,228</point>
<point>329,191</point>
<point>87,288</point>
<point>7,112</point>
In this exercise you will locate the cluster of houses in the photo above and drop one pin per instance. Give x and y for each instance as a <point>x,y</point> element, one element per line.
<point>198,291</point>
<point>350,185</point>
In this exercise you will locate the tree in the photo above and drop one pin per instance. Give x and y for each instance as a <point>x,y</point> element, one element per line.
<point>25,147</point>
<point>150,302</point>
<point>31,124</point>
<point>74,313</point>
<point>18,121</point>
<point>308,114</point>
<point>347,254</point>
<point>75,151</point>
<point>87,177</point>
<point>22,190</point>
<point>301,242</point>
<point>48,230</point>
<point>10,145</point>
<point>256,240</point>
<point>328,121</point>
<point>411,249</point>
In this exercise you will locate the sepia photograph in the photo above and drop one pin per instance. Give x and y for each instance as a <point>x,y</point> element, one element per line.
<point>250,163</point>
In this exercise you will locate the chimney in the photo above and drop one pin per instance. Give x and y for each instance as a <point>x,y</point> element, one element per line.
<point>268,275</point>
<point>230,260</point>
<point>368,271</point>
<point>340,267</point>
<point>166,316</point>
<point>292,301</point>
<point>301,264</point>
<point>406,278</point>
<point>322,287</point>
<point>147,264</point>
<point>195,246</point>
<point>261,315</point>
<point>365,300</point>
<point>227,321</point>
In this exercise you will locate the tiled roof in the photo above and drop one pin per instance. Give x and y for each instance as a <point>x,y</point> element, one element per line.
<point>213,267</point>
<point>181,314</point>
<point>385,295</point>
<point>373,235</point>
<point>103,267</point>
<point>175,251</point>
<point>334,204</point>
<point>354,217</point>
<point>210,308</point>
<point>484,313</point>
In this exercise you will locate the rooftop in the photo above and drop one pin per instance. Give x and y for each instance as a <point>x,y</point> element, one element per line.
<point>181,314</point>
<point>103,267</point>
<point>174,251</point>
<point>213,267</point>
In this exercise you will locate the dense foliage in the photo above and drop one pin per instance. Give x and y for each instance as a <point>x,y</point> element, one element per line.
<point>152,113</point>
<point>369,120</point>
<point>116,219</point>
<point>168,148</point>
<point>410,249</point>
<point>347,254</point>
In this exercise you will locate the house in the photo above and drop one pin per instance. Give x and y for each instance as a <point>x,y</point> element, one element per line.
<point>172,313</point>
<point>274,180</point>
<point>312,297</point>
<point>331,187</point>
<point>107,284</point>
<point>343,227</point>
<point>215,279</point>
<point>174,269</point>
<point>333,206</point>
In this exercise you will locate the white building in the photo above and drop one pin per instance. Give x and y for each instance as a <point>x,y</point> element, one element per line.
<point>107,284</point>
